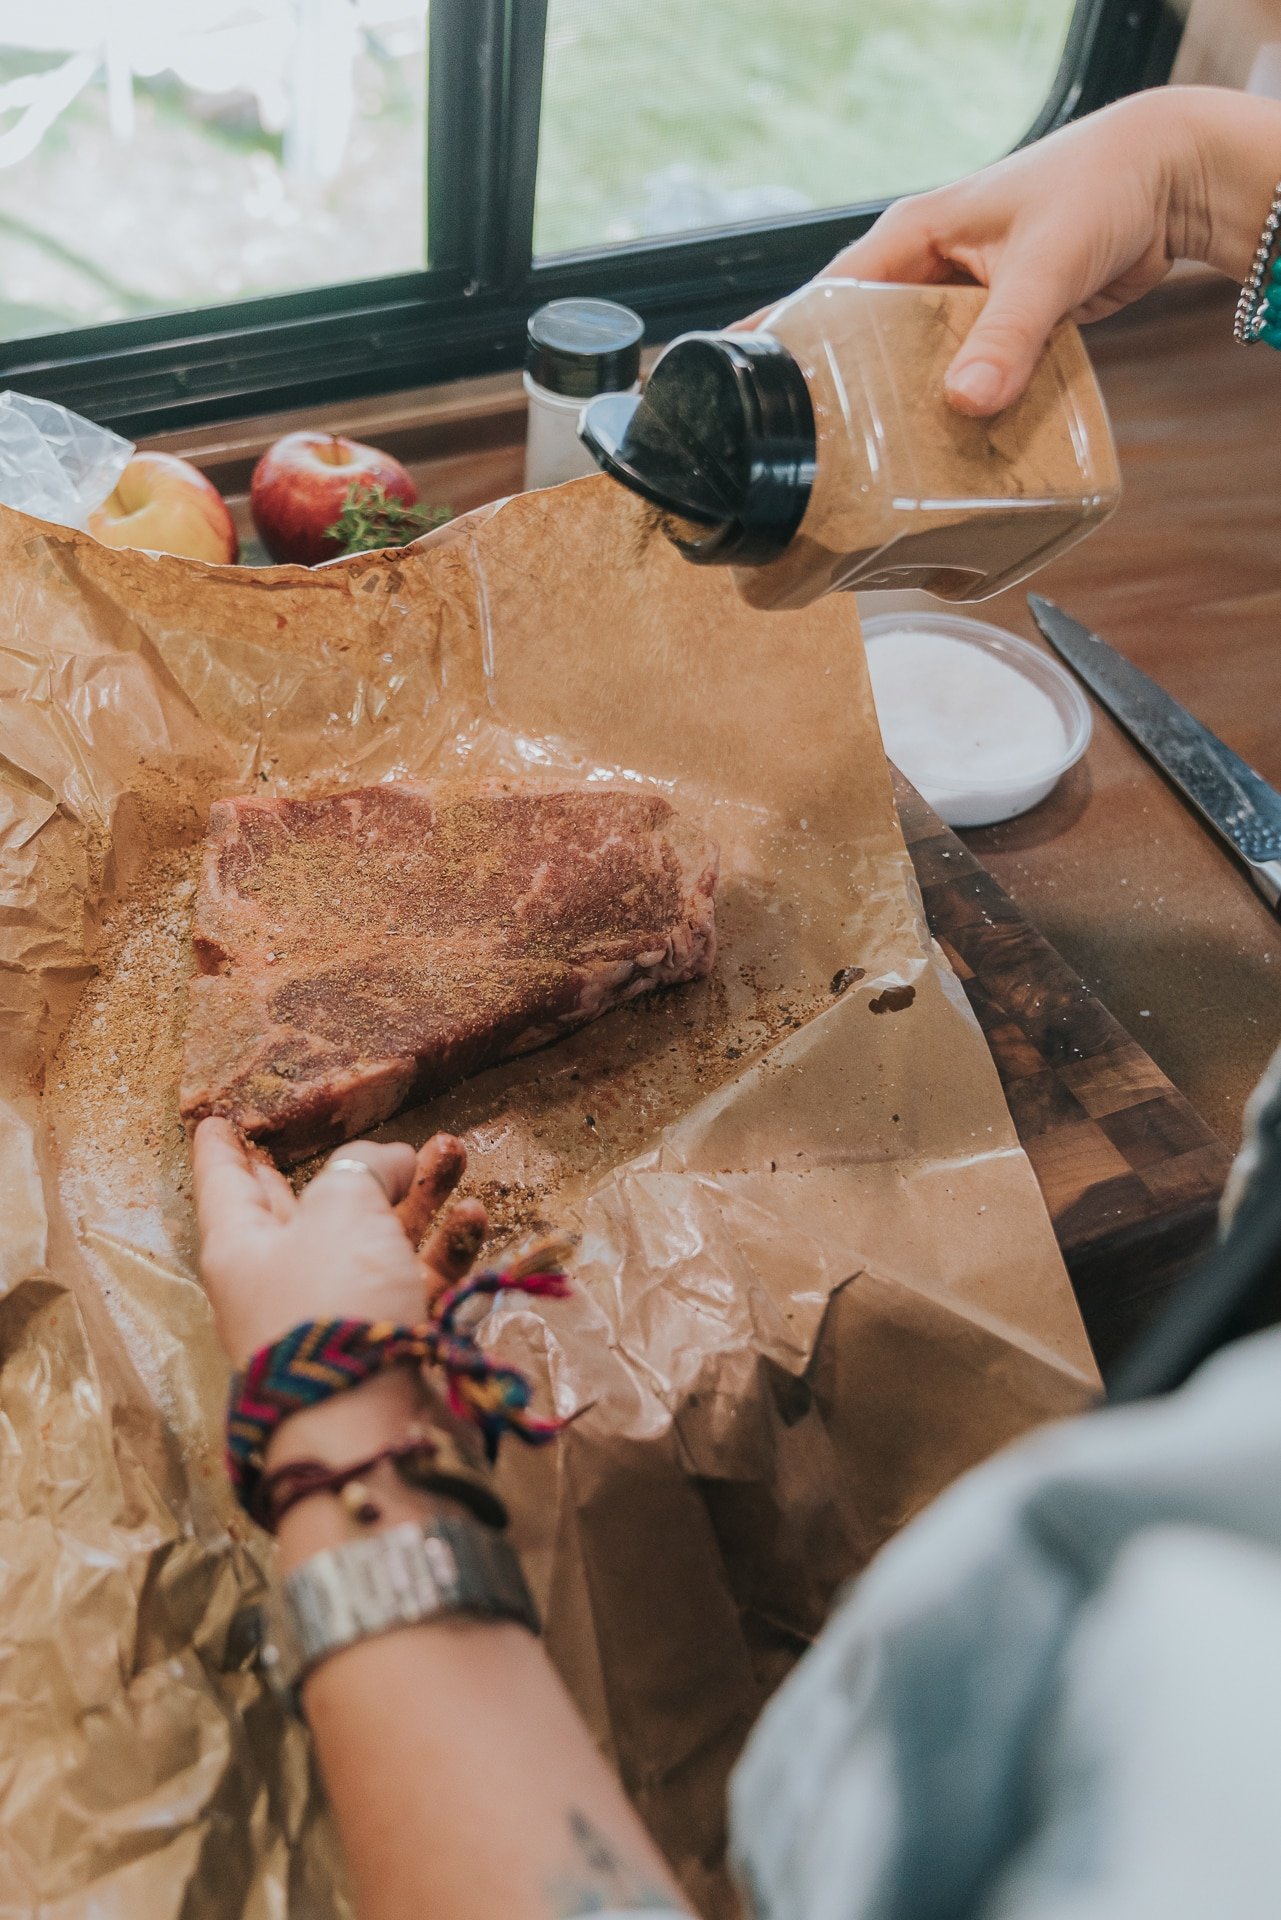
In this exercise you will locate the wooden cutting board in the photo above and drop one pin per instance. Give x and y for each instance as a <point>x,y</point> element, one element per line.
<point>1130,1173</point>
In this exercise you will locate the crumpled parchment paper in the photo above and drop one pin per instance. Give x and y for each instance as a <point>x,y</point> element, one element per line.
<point>816,1278</point>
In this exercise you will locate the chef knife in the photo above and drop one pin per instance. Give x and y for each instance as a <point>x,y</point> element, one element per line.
<point>1238,803</point>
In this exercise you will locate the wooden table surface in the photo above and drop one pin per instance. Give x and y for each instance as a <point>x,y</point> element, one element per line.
<point>1131,1174</point>
<point>1186,580</point>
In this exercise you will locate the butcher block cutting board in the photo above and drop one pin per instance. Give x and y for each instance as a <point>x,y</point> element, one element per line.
<point>1130,1173</point>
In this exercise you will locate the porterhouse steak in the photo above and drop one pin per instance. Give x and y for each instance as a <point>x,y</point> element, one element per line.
<point>367,948</point>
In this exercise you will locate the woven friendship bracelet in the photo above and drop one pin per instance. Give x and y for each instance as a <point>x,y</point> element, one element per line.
<point>325,1357</point>
<point>1258,314</point>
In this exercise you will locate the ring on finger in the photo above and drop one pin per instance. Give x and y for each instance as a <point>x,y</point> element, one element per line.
<point>348,1163</point>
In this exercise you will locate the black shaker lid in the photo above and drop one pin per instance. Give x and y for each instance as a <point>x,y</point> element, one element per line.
<point>723,436</point>
<point>583,347</point>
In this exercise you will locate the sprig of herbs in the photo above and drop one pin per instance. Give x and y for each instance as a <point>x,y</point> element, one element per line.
<point>371,518</point>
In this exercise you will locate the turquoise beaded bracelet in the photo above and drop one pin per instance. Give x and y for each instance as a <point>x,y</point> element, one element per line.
<point>1258,314</point>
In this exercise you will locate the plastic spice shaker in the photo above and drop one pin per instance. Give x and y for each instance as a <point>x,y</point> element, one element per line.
<point>820,452</point>
<point>575,349</point>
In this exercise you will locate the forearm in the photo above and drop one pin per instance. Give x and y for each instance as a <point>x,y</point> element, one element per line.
<point>465,1785</point>
<point>463,1781</point>
<point>1226,162</point>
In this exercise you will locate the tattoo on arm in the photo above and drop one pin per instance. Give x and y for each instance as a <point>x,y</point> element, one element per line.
<point>600,1878</point>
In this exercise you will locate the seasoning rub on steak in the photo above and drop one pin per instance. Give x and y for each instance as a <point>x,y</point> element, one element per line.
<point>369,948</point>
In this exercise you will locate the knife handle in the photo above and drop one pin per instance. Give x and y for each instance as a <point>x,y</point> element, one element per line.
<point>1266,875</point>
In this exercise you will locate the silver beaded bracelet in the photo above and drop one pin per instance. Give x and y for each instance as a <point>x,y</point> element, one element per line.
<point>1253,314</point>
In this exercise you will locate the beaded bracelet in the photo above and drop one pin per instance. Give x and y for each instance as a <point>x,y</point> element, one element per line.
<point>427,1460</point>
<point>324,1357</point>
<point>280,1492</point>
<point>1258,314</point>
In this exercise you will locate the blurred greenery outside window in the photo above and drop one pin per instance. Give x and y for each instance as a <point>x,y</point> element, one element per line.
<point>167,155</point>
<point>662,116</point>
<point>163,156</point>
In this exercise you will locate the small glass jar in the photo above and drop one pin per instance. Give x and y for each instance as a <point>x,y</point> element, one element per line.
<point>575,349</point>
<point>820,452</point>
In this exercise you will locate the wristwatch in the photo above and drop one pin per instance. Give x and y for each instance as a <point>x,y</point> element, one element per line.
<point>401,1578</point>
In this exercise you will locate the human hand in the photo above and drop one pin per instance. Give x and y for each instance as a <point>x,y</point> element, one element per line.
<point>1078,225</point>
<point>347,1248</point>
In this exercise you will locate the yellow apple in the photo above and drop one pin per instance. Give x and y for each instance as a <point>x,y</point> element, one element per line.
<point>167,506</point>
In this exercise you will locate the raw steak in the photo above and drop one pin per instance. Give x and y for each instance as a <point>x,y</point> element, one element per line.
<point>370,948</point>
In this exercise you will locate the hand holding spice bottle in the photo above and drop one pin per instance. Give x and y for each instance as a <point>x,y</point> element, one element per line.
<point>1082,223</point>
<point>820,452</point>
<point>842,439</point>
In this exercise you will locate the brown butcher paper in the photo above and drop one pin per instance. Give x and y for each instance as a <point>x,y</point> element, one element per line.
<point>815,1280</point>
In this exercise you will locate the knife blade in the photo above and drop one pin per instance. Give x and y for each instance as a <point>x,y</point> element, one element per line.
<point>1236,801</point>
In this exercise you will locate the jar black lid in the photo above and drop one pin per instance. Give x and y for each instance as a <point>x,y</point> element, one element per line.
<point>722,437</point>
<point>583,347</point>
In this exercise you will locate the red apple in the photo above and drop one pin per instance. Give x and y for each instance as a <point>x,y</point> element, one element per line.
<point>167,506</point>
<point>300,485</point>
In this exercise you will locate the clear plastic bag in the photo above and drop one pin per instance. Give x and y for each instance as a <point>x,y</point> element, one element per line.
<point>56,464</point>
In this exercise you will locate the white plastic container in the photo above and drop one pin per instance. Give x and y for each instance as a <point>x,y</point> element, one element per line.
<point>982,723</point>
<point>575,350</point>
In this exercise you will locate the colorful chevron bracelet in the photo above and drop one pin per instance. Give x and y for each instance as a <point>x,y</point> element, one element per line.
<point>324,1357</point>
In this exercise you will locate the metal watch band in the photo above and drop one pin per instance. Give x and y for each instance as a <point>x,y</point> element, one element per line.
<point>408,1575</point>
<point>1250,317</point>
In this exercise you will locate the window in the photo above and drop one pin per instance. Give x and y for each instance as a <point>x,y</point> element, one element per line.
<point>175,154</point>
<point>662,117</point>
<point>220,206</point>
